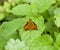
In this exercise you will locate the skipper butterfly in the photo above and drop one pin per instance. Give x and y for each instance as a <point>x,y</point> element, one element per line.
<point>30,25</point>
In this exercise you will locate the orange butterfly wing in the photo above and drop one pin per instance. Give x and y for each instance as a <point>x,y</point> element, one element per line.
<point>30,25</point>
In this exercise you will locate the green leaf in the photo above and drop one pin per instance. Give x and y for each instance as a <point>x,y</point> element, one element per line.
<point>2,43</point>
<point>6,7</point>
<point>1,16</point>
<point>57,20</point>
<point>22,9</point>
<point>14,35</point>
<point>16,45</point>
<point>7,28</point>
<point>13,2</point>
<point>1,9</point>
<point>41,5</point>
<point>50,25</point>
<point>35,7</point>
<point>49,47</point>
<point>57,11</point>
<point>3,40</point>
<point>51,9</point>
<point>45,4</point>
<point>28,1</point>
<point>42,40</point>
<point>58,40</point>
<point>42,43</point>
<point>57,16</point>
<point>27,36</point>
<point>56,33</point>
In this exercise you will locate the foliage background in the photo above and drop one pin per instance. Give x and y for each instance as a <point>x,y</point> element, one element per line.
<point>14,14</point>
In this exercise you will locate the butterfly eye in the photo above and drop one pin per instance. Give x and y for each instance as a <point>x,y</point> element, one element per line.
<point>30,25</point>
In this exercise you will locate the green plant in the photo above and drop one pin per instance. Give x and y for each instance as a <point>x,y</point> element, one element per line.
<point>14,15</point>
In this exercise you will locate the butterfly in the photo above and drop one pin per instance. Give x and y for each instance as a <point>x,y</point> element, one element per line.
<point>30,25</point>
